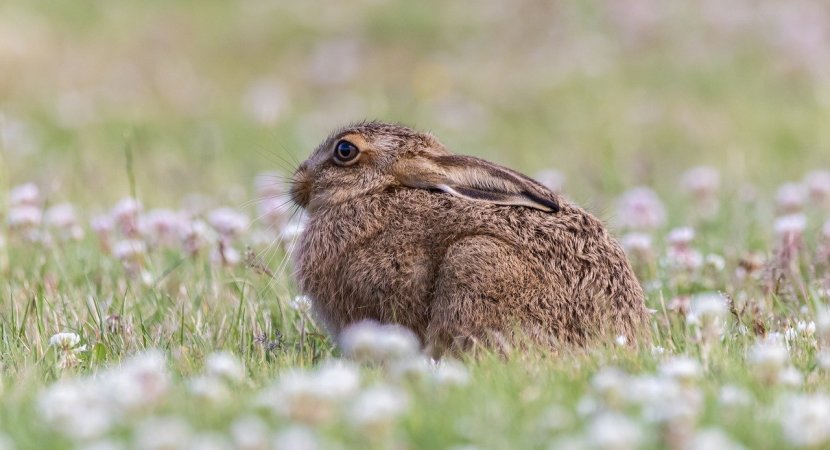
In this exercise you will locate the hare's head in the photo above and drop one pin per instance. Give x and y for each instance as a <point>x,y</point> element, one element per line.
<point>374,157</point>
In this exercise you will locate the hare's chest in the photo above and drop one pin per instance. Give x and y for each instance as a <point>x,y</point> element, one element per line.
<point>386,279</point>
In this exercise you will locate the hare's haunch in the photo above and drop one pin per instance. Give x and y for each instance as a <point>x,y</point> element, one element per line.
<point>460,250</point>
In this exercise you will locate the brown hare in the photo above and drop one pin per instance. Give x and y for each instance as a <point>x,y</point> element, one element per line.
<point>462,251</point>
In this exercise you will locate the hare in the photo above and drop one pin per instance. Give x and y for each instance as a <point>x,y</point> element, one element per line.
<point>463,252</point>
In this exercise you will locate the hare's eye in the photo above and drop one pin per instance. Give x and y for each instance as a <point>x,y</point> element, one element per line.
<point>345,152</point>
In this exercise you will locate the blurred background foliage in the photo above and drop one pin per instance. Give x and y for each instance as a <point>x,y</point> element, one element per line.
<point>209,93</point>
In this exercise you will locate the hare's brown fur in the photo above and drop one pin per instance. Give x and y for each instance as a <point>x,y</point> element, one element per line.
<point>455,270</point>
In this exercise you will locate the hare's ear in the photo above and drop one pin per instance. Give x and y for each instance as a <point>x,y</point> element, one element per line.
<point>474,179</point>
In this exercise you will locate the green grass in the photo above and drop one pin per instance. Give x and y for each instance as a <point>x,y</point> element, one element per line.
<point>99,101</point>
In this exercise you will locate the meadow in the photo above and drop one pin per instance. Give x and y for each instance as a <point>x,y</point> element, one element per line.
<point>147,298</point>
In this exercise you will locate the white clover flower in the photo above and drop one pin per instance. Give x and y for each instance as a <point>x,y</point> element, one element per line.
<point>610,383</point>
<point>769,357</point>
<point>163,226</point>
<point>682,368</point>
<point>312,396</point>
<point>449,372</point>
<point>225,366</point>
<point>76,408</point>
<point>805,419</point>
<point>24,194</point>
<point>301,303</point>
<point>615,431</point>
<point>621,340</point>
<point>701,181</point>
<point>805,328</point>
<point>413,369</point>
<point>162,433</point>
<point>64,341</point>
<point>129,249</point>
<point>731,396</point>
<point>637,243</point>
<point>228,221</point>
<point>209,441</point>
<point>709,311</point>
<point>790,225</point>
<point>141,380</point>
<point>640,209</point>
<point>716,262</point>
<point>791,197</point>
<point>712,439</point>
<point>24,217</point>
<point>296,438</point>
<point>818,185</point>
<point>790,376</point>
<point>370,341</point>
<point>61,216</point>
<point>377,408</point>
<point>250,433</point>
<point>681,237</point>
<point>209,388</point>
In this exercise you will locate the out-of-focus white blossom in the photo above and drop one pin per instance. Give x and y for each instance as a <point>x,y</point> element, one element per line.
<point>24,217</point>
<point>681,237</point>
<point>377,408</point>
<point>682,368</point>
<point>791,197</point>
<point>64,341</point>
<point>129,249</point>
<point>640,209</point>
<point>225,366</point>
<point>250,433</point>
<point>769,357</point>
<point>372,342</point>
<point>450,372</point>
<point>296,438</point>
<point>790,225</point>
<point>301,303</point>
<point>818,185</point>
<point>712,439</point>
<point>731,396</point>
<point>639,244</point>
<point>227,221</point>
<point>209,388</point>
<point>162,433</point>
<point>805,419</point>
<point>708,311</point>
<point>701,181</point>
<point>24,194</point>
<point>615,431</point>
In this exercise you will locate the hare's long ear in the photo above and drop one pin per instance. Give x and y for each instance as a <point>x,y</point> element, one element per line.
<point>474,179</point>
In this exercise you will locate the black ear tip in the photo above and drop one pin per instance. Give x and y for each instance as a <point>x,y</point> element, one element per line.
<point>552,204</point>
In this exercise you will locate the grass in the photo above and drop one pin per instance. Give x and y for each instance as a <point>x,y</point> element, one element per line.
<point>159,100</point>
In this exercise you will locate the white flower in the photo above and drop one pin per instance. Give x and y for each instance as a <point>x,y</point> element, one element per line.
<point>681,237</point>
<point>312,397</point>
<point>226,366</point>
<point>636,243</point>
<point>615,431</point>
<point>209,441</point>
<point>377,408</point>
<point>806,420</point>
<point>610,383</point>
<point>372,342</point>
<point>162,433</point>
<point>712,439</point>
<point>621,340</point>
<point>209,388</point>
<point>24,194</point>
<point>640,209</point>
<point>76,408</point>
<point>250,433</point>
<point>163,226</point>
<point>61,216</point>
<point>701,181</point>
<point>682,368</point>
<point>296,438</point>
<point>449,372</point>
<point>129,249</point>
<point>731,396</point>
<point>64,340</point>
<point>769,357</point>
<point>301,303</point>
<point>139,381</point>
<point>791,225</point>
<point>227,221</point>
<point>806,328</point>
<point>826,230</point>
<point>24,216</point>
<point>818,184</point>
<point>791,197</point>
<point>709,311</point>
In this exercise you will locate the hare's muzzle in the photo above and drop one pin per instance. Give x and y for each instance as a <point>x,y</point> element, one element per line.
<point>301,186</point>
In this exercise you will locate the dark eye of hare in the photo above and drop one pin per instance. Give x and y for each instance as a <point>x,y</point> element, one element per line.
<point>345,152</point>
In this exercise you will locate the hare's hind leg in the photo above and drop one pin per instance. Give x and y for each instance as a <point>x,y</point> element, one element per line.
<point>478,289</point>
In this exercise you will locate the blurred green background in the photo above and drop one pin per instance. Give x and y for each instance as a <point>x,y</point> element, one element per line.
<point>209,93</point>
